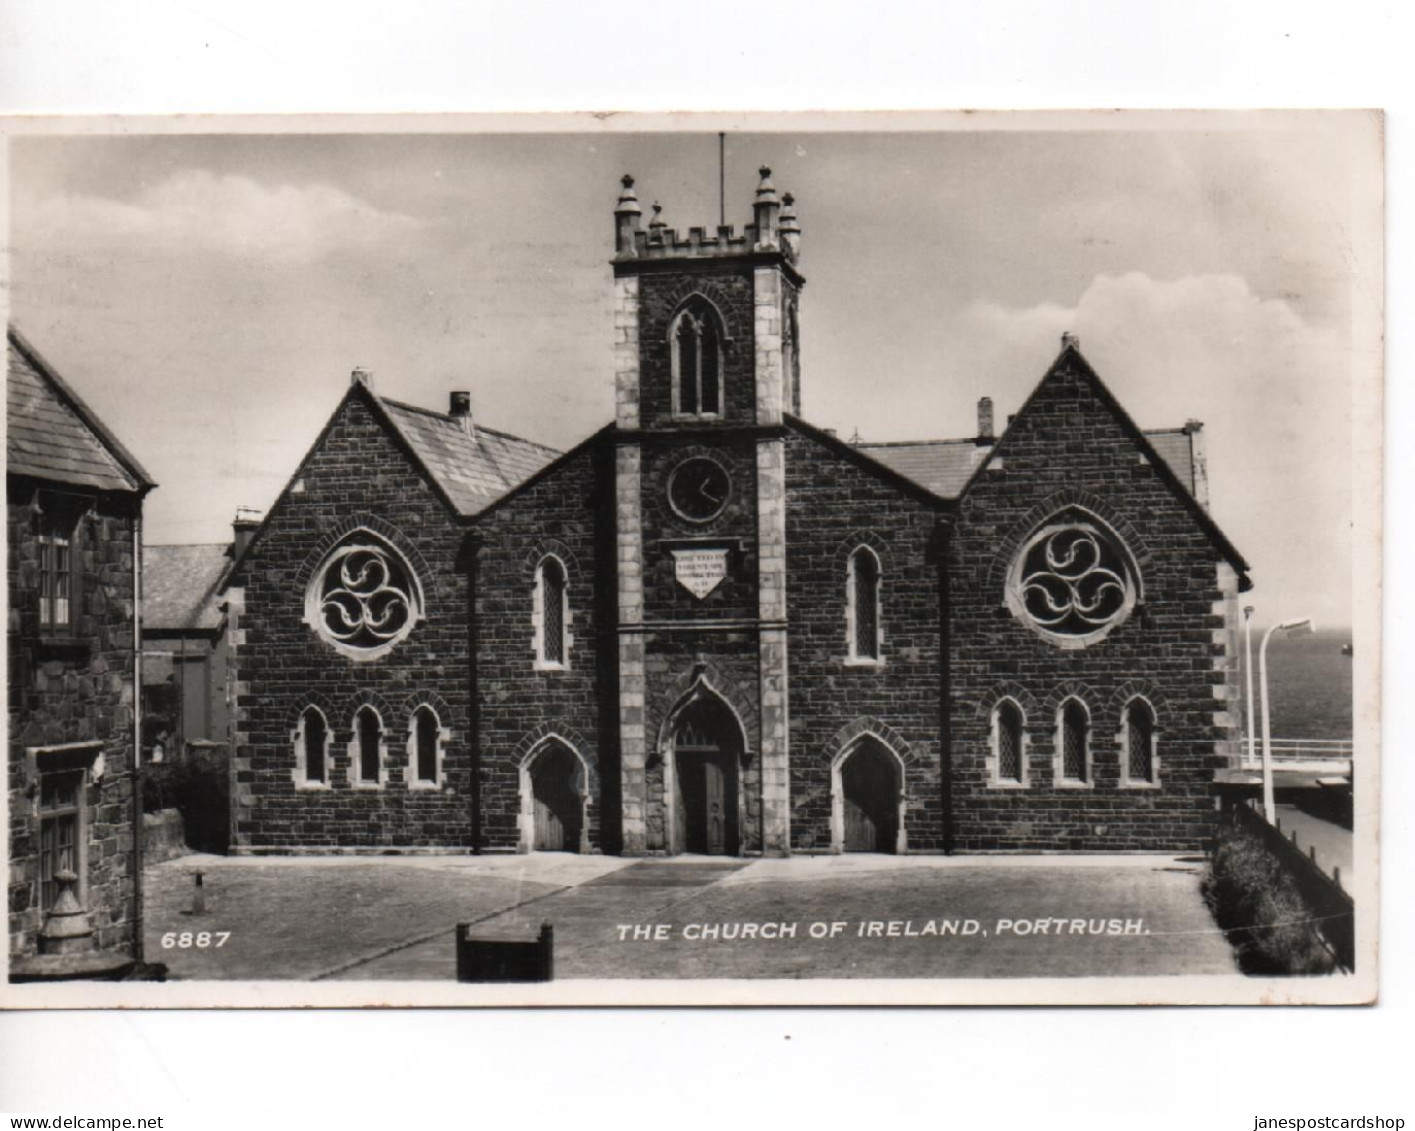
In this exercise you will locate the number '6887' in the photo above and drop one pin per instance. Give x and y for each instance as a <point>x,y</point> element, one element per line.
<point>185,940</point>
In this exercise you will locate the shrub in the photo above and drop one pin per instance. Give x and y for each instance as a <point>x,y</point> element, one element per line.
<point>1269,924</point>
<point>199,787</point>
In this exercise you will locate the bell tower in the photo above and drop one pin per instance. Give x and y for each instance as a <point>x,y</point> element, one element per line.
<point>706,370</point>
<point>705,326</point>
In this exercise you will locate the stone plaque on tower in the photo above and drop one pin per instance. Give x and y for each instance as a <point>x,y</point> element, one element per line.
<point>700,571</point>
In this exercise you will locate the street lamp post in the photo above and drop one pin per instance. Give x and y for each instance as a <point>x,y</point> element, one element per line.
<point>1303,625</point>
<point>1248,672</point>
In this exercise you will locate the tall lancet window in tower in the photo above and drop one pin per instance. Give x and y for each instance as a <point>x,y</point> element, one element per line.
<point>697,362</point>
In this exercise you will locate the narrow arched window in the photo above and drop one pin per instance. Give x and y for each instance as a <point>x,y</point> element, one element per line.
<point>313,744</point>
<point>1075,742</point>
<point>697,363</point>
<point>1007,731</point>
<point>863,604</point>
<point>1139,742</point>
<point>426,733</point>
<point>368,738</point>
<point>552,614</point>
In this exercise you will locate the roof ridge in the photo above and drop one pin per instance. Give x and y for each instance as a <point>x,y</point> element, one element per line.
<point>913,443</point>
<point>519,439</point>
<point>413,407</point>
<point>1177,429</point>
<point>181,545</point>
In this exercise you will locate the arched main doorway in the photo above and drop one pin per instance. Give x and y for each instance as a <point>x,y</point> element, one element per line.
<point>557,792</point>
<point>870,787</point>
<point>706,751</point>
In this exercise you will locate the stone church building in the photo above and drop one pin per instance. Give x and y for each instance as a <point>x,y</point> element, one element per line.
<point>712,627</point>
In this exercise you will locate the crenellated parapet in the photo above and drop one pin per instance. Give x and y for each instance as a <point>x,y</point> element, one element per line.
<point>774,228</point>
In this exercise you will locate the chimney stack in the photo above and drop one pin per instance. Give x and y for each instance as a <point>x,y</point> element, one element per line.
<point>765,210</point>
<point>459,408</point>
<point>626,219</point>
<point>243,528</point>
<point>985,432</point>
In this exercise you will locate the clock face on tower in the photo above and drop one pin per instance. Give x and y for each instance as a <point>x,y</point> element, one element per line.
<point>698,489</point>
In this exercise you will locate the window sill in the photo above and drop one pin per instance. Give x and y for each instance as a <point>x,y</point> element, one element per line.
<point>366,786</point>
<point>314,786</point>
<point>1007,785</point>
<point>542,666</point>
<point>862,662</point>
<point>55,644</point>
<point>1073,783</point>
<point>424,787</point>
<point>1142,785</point>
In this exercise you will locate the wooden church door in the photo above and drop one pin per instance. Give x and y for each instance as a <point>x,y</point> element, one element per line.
<point>707,783</point>
<point>558,809</point>
<point>871,788</point>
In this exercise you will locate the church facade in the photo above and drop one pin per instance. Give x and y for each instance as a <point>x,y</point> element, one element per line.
<point>714,628</point>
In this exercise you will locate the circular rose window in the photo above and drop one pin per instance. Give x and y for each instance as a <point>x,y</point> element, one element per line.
<point>364,600</point>
<point>1072,581</point>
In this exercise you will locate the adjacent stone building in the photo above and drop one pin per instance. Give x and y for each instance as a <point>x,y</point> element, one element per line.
<point>714,628</point>
<point>185,644</point>
<point>74,512</point>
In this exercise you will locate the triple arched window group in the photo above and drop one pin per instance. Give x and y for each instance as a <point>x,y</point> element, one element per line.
<point>368,763</point>
<point>1073,745</point>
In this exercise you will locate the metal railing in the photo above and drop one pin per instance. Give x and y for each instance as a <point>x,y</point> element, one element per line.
<point>1315,755</point>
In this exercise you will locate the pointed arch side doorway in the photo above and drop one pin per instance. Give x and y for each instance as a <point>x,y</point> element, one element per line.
<point>869,799</point>
<point>554,795</point>
<point>705,806</point>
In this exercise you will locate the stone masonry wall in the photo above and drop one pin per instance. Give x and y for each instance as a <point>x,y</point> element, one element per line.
<point>1068,448</point>
<point>357,476</point>
<point>76,691</point>
<point>520,706</point>
<point>660,295</point>
<point>736,595</point>
<point>835,504</point>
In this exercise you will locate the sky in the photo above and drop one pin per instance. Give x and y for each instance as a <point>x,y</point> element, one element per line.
<point>209,294</point>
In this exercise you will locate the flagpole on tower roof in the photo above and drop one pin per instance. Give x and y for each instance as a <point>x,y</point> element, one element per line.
<point>721,178</point>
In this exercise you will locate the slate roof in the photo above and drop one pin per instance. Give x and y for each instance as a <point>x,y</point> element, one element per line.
<point>52,434</point>
<point>179,586</point>
<point>945,466</point>
<point>940,466</point>
<point>1174,447</point>
<point>473,471</point>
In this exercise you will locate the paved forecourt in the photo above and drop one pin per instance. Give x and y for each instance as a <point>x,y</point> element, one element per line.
<point>865,917</point>
<point>689,917</point>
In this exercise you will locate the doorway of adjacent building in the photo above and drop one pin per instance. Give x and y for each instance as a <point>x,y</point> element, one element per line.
<point>705,754</point>
<point>869,780</point>
<point>559,802</point>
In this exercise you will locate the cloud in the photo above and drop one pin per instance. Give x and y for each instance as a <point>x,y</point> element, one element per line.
<point>1273,390</point>
<point>228,214</point>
